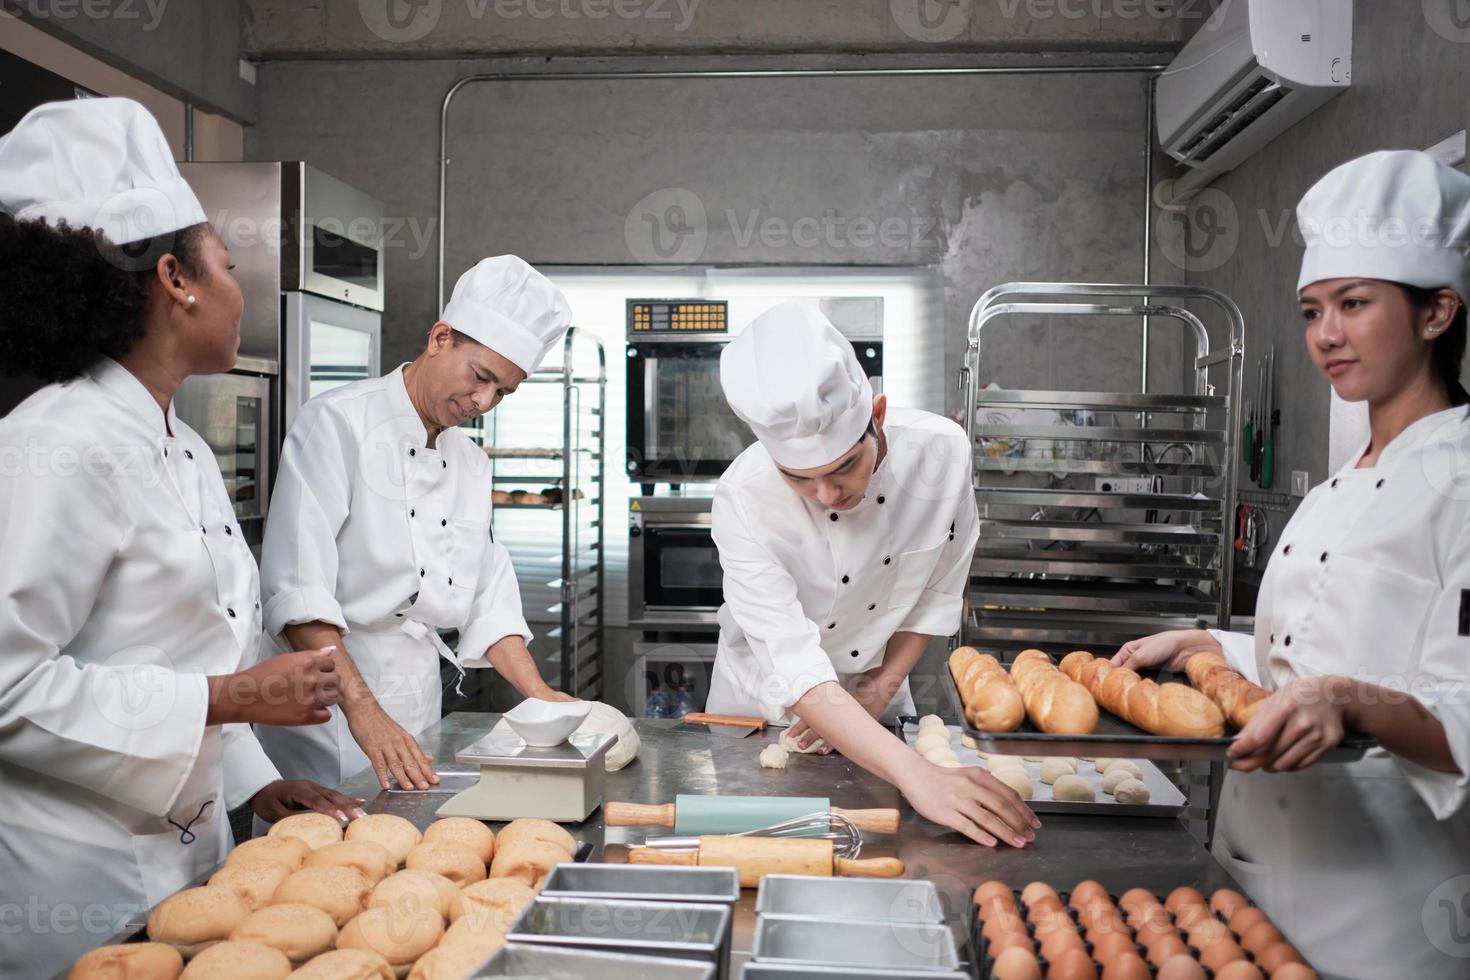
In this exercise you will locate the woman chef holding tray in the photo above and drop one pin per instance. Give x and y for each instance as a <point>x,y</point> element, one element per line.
<point>128,599</point>
<point>1363,620</point>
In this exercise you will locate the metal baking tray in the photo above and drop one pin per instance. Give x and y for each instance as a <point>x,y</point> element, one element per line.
<point>853,899</point>
<point>522,960</point>
<point>1165,798</point>
<point>907,946</point>
<point>812,971</point>
<point>1117,738</point>
<point>679,930</point>
<point>643,883</point>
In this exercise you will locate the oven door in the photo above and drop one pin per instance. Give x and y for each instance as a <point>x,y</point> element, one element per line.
<point>680,427</point>
<point>232,413</point>
<point>679,573</point>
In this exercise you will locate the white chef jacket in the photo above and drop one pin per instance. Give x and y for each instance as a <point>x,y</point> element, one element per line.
<point>814,595</point>
<point>389,541</point>
<point>126,582</point>
<point>1370,579</point>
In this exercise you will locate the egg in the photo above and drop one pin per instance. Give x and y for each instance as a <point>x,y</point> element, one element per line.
<point>1129,966</point>
<point>1044,907</point>
<point>1073,964</point>
<point>1086,892</point>
<point>1035,890</point>
<point>1016,964</point>
<point>994,908</point>
<point>1136,896</point>
<point>1052,920</point>
<point>1207,933</point>
<point>1187,916</point>
<point>1293,971</point>
<point>1243,918</point>
<point>1221,953</point>
<point>1106,949</point>
<point>1181,968</point>
<point>1011,940</point>
<point>1182,896</point>
<point>1096,911</point>
<point>1225,902</point>
<point>1154,930</point>
<point>1142,912</point>
<point>1109,926</point>
<point>994,889</point>
<point>1001,925</point>
<point>1055,944</point>
<point>1259,936</point>
<point>1165,949</point>
<point>1276,956</point>
<point>1239,970</point>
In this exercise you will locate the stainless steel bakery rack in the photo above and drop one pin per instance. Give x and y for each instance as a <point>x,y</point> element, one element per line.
<point>1105,515</point>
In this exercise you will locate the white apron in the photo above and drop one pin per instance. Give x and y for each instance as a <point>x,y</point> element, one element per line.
<point>1357,863</point>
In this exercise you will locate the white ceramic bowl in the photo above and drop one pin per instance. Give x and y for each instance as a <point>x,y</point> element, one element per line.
<point>546,723</point>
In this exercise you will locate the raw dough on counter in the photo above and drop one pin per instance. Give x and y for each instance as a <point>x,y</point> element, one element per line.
<point>1124,765</point>
<point>1054,768</point>
<point>1131,791</point>
<point>1005,762</point>
<point>1073,789</point>
<point>931,721</point>
<point>954,763</point>
<point>604,719</point>
<point>1016,779</point>
<point>1102,763</point>
<point>931,741</point>
<point>774,756</point>
<point>970,743</point>
<point>942,755</point>
<point>789,744</point>
<point>1113,777</point>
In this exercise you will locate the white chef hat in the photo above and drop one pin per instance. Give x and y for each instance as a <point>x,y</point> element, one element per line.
<point>1396,215</point>
<point>95,163</point>
<point>511,308</point>
<point>794,379</point>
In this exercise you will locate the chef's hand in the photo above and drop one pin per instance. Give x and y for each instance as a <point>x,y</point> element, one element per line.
<point>289,689</point>
<point>801,733</point>
<point>972,801</point>
<point>389,747</point>
<point>1294,727</point>
<point>1166,651</point>
<point>550,695</point>
<point>287,796</point>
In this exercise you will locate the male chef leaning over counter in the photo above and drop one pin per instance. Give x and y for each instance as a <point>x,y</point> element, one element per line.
<point>845,534</point>
<point>1363,618</point>
<point>129,603</point>
<point>379,532</point>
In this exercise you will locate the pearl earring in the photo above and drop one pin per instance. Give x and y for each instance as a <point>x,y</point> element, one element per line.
<point>191,299</point>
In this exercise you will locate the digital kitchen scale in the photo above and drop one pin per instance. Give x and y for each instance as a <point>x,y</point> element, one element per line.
<point>563,783</point>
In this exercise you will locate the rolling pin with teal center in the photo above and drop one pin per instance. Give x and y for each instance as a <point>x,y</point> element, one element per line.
<point>693,815</point>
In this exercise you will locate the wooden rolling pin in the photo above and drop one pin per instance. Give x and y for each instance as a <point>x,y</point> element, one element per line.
<point>691,814</point>
<point>733,721</point>
<point>755,857</point>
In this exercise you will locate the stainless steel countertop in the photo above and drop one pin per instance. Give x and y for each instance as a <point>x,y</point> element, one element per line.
<point>1120,852</point>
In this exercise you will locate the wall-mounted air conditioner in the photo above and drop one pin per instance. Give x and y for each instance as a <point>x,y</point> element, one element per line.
<point>1255,68</point>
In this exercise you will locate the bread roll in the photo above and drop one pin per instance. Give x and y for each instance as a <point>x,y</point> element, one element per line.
<point>254,881</point>
<point>453,962</point>
<point>1016,779</point>
<point>369,857</point>
<point>528,860</point>
<point>346,964</point>
<point>238,961</point>
<point>1056,704</point>
<point>1159,709</point>
<point>992,701</point>
<point>290,851</point>
<point>463,830</point>
<point>1237,697</point>
<point>313,829</point>
<point>299,931</point>
<point>476,931</point>
<point>501,899</point>
<point>339,892</point>
<point>1073,789</point>
<point>454,861</point>
<point>533,829</point>
<point>416,890</point>
<point>394,833</point>
<point>129,961</point>
<point>398,936</point>
<point>195,918</point>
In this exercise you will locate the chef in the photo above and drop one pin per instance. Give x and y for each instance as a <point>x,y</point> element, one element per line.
<point>845,534</point>
<point>1363,618</point>
<point>129,600</point>
<point>379,532</point>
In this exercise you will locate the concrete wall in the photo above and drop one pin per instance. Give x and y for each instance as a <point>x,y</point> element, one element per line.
<point>188,49</point>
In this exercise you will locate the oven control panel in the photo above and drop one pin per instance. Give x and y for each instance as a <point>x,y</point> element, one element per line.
<point>665,316</point>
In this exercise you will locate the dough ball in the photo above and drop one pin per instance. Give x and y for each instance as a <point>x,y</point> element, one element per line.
<point>1112,778</point>
<point>462,830</point>
<point>313,829</point>
<point>1054,768</point>
<point>1131,791</point>
<point>1005,762</point>
<point>604,719</point>
<point>929,741</point>
<point>948,763</point>
<point>789,744</point>
<point>773,756</point>
<point>393,832</point>
<point>942,754</point>
<point>1125,765</point>
<point>1034,758</point>
<point>931,721</point>
<point>454,861</point>
<point>1016,779</point>
<point>1073,789</point>
<point>1103,763</point>
<point>534,829</point>
<point>969,742</point>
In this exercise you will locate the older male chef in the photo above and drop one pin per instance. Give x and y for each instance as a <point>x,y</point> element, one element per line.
<point>845,535</point>
<point>379,531</point>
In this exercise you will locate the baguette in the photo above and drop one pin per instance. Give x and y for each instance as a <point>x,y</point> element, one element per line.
<point>991,699</point>
<point>1056,704</point>
<point>1175,710</point>
<point>1237,697</point>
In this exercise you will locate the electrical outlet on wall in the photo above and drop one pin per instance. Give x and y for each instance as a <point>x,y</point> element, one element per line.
<point>1299,483</point>
<point>1123,484</point>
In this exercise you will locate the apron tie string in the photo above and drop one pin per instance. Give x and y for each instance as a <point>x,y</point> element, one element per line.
<point>420,631</point>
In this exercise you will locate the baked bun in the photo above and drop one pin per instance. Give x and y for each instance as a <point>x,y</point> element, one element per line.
<point>299,931</point>
<point>531,829</point>
<point>313,829</point>
<point>463,830</point>
<point>346,964</point>
<point>129,961</point>
<point>477,932</point>
<point>290,851</point>
<point>339,892</point>
<point>530,861</point>
<point>454,861</point>
<point>399,936</point>
<point>501,898</point>
<point>371,858</point>
<point>253,881</point>
<point>394,833</point>
<point>238,961</point>
<point>195,918</point>
<point>454,962</point>
<point>415,889</point>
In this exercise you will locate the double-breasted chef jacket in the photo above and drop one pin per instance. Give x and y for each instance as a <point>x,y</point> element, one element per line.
<point>388,540</point>
<point>814,595</point>
<point>126,582</point>
<point>1366,865</point>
